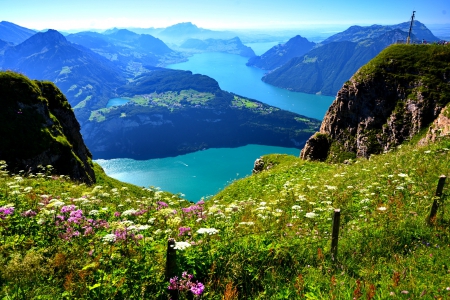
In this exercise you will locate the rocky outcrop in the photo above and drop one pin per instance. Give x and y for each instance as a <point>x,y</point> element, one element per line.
<point>39,128</point>
<point>439,128</point>
<point>388,101</point>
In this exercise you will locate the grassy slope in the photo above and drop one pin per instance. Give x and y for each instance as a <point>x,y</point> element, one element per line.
<point>273,240</point>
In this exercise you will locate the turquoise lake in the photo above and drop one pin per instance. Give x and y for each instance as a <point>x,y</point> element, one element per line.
<point>195,175</point>
<point>204,173</point>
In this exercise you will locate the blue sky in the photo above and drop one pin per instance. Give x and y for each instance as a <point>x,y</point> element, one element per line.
<point>218,14</point>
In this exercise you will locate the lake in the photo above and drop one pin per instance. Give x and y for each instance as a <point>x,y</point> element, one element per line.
<point>234,76</point>
<point>195,174</point>
<point>206,172</point>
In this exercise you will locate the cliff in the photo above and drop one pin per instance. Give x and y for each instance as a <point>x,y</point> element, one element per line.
<point>388,101</point>
<point>38,127</point>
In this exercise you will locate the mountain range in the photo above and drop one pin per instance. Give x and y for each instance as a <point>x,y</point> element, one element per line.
<point>329,64</point>
<point>86,78</point>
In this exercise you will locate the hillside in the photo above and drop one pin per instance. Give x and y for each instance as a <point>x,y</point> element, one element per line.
<point>86,78</point>
<point>38,128</point>
<point>279,55</point>
<point>13,33</point>
<point>388,101</point>
<point>324,69</point>
<point>267,236</point>
<point>172,112</point>
<point>129,50</point>
<point>327,66</point>
<point>357,33</point>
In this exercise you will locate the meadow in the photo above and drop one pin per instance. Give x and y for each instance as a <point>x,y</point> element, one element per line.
<point>267,236</point>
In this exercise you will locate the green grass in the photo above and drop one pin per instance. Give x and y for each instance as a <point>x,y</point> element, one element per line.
<point>273,239</point>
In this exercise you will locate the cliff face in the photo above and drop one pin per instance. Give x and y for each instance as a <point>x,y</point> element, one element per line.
<point>388,101</point>
<point>38,127</point>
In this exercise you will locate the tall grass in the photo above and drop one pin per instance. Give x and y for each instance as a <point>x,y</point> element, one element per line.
<point>266,236</point>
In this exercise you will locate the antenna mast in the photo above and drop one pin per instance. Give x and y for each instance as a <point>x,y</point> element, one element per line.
<point>408,40</point>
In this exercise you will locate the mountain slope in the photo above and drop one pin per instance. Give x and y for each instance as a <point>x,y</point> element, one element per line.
<point>358,33</point>
<point>39,128</point>
<point>282,53</point>
<point>324,69</point>
<point>87,78</point>
<point>13,33</point>
<point>388,101</point>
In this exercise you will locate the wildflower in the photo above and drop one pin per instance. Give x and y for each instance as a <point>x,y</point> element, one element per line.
<point>296,207</point>
<point>247,223</point>
<point>209,231</point>
<point>310,215</point>
<point>382,208</point>
<point>184,230</point>
<point>181,245</point>
<point>5,211</point>
<point>68,208</point>
<point>110,238</point>
<point>93,212</point>
<point>29,213</point>
<point>402,175</point>
<point>129,212</point>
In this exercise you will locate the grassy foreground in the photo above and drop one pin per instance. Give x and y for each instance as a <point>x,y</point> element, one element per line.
<point>264,237</point>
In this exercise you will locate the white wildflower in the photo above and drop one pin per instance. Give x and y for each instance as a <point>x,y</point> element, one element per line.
<point>109,238</point>
<point>209,231</point>
<point>310,215</point>
<point>181,245</point>
<point>129,212</point>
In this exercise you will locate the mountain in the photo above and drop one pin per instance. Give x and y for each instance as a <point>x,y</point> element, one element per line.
<point>388,101</point>
<point>173,112</point>
<point>324,69</point>
<point>39,128</point>
<point>86,78</point>
<point>282,53</point>
<point>358,33</point>
<point>129,50</point>
<point>178,33</point>
<point>233,46</point>
<point>13,33</point>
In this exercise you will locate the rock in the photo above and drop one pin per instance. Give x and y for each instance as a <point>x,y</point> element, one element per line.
<point>39,128</point>
<point>387,102</point>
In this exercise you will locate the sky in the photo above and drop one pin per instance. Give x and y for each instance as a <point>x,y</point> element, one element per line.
<point>218,14</point>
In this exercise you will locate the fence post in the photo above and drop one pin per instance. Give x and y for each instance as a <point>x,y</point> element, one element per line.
<point>171,266</point>
<point>436,200</point>
<point>335,234</point>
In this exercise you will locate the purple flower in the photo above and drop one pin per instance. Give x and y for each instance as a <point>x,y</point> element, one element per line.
<point>197,288</point>
<point>117,214</point>
<point>5,211</point>
<point>29,213</point>
<point>161,204</point>
<point>183,230</point>
<point>68,208</point>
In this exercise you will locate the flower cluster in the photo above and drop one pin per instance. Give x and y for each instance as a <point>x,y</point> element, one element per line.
<point>5,211</point>
<point>185,284</point>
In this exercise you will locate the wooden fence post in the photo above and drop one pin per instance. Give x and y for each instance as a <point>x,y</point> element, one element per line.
<point>335,234</point>
<point>436,200</point>
<point>171,266</point>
